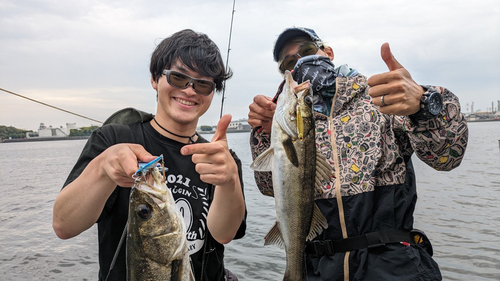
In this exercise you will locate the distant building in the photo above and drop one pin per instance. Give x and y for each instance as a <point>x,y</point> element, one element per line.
<point>31,135</point>
<point>47,132</point>
<point>233,127</point>
<point>239,126</point>
<point>481,116</point>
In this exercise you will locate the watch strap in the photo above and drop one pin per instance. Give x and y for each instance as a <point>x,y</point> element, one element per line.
<point>423,114</point>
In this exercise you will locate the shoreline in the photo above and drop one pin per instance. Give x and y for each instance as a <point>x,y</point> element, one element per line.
<point>86,137</point>
<point>484,120</point>
<point>228,131</point>
<point>44,139</point>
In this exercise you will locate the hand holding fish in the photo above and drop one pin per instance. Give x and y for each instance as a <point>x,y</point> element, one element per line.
<point>119,162</point>
<point>79,204</point>
<point>394,91</point>
<point>261,113</point>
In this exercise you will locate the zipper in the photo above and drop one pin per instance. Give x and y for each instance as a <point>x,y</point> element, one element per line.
<point>337,182</point>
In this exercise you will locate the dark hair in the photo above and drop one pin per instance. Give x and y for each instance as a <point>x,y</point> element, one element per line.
<point>195,50</point>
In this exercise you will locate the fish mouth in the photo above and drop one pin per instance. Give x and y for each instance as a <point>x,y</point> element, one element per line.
<point>301,87</point>
<point>154,191</point>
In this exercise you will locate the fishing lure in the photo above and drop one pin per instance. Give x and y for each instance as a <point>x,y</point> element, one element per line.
<point>145,167</point>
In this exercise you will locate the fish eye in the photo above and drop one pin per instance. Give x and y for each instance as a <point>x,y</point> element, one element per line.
<point>143,211</point>
<point>308,100</point>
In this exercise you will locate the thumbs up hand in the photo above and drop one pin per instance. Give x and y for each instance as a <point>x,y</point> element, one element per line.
<point>213,160</point>
<point>394,91</point>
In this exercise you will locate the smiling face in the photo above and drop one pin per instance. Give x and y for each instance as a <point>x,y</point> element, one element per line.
<point>180,107</point>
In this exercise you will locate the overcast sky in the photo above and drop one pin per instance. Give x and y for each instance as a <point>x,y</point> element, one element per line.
<point>92,57</point>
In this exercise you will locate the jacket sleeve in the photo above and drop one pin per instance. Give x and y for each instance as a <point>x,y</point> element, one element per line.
<point>259,142</point>
<point>440,141</point>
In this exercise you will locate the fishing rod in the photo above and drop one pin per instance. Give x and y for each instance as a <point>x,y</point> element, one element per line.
<point>24,97</point>
<point>227,60</point>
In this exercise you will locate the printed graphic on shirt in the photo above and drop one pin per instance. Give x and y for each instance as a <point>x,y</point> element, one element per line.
<point>192,202</point>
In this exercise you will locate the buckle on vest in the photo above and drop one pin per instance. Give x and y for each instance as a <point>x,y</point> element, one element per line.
<point>376,241</point>
<point>322,248</point>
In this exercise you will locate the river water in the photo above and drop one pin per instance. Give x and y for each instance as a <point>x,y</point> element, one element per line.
<point>459,210</point>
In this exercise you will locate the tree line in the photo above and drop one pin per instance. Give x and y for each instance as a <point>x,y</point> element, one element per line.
<point>83,131</point>
<point>7,132</point>
<point>11,132</point>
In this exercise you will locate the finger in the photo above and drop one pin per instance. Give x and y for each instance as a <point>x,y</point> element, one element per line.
<point>209,174</point>
<point>389,58</point>
<point>209,148</point>
<point>254,116</point>
<point>220,133</point>
<point>260,113</point>
<point>204,168</point>
<point>205,148</point>
<point>127,181</point>
<point>199,148</point>
<point>255,122</point>
<point>379,90</point>
<point>388,109</point>
<point>265,102</point>
<point>383,101</point>
<point>141,153</point>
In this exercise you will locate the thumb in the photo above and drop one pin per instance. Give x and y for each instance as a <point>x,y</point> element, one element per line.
<point>141,153</point>
<point>220,133</point>
<point>388,58</point>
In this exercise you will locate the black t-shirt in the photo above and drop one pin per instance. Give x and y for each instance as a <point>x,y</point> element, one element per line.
<point>192,197</point>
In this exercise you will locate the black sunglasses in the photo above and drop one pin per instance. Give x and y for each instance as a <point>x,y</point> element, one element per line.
<point>305,50</point>
<point>182,81</point>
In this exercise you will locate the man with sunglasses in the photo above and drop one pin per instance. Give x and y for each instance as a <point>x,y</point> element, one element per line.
<point>368,130</point>
<point>205,177</point>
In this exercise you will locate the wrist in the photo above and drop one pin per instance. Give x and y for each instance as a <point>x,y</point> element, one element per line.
<point>431,104</point>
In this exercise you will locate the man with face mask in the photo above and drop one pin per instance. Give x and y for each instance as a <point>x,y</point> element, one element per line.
<point>368,130</point>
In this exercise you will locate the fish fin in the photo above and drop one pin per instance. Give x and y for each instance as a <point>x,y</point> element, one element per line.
<point>176,270</point>
<point>323,170</point>
<point>318,223</point>
<point>273,237</point>
<point>291,153</point>
<point>263,162</point>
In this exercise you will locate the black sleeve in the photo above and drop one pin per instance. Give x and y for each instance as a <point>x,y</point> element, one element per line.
<point>241,231</point>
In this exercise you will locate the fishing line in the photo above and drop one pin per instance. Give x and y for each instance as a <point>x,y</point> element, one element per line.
<point>51,106</point>
<point>124,234</point>
<point>227,60</point>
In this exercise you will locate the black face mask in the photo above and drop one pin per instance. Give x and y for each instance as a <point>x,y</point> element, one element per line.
<point>320,71</point>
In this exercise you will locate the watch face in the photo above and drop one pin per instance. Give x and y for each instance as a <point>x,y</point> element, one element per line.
<point>435,103</point>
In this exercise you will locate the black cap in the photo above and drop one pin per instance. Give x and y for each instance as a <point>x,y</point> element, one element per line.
<point>290,33</point>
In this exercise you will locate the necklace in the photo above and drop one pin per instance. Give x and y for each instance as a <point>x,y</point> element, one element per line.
<point>186,137</point>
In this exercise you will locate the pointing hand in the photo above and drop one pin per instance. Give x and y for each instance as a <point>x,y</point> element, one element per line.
<point>213,160</point>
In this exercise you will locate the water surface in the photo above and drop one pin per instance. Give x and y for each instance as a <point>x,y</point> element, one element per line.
<point>459,210</point>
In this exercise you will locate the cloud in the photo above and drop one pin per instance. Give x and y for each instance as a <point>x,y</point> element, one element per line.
<point>92,57</point>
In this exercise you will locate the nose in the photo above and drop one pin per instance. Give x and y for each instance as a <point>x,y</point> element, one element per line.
<point>190,89</point>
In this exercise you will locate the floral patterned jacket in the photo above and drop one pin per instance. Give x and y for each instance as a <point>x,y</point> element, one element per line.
<point>374,186</point>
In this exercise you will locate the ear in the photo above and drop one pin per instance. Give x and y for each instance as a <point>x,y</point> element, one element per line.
<point>154,83</point>
<point>328,51</point>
